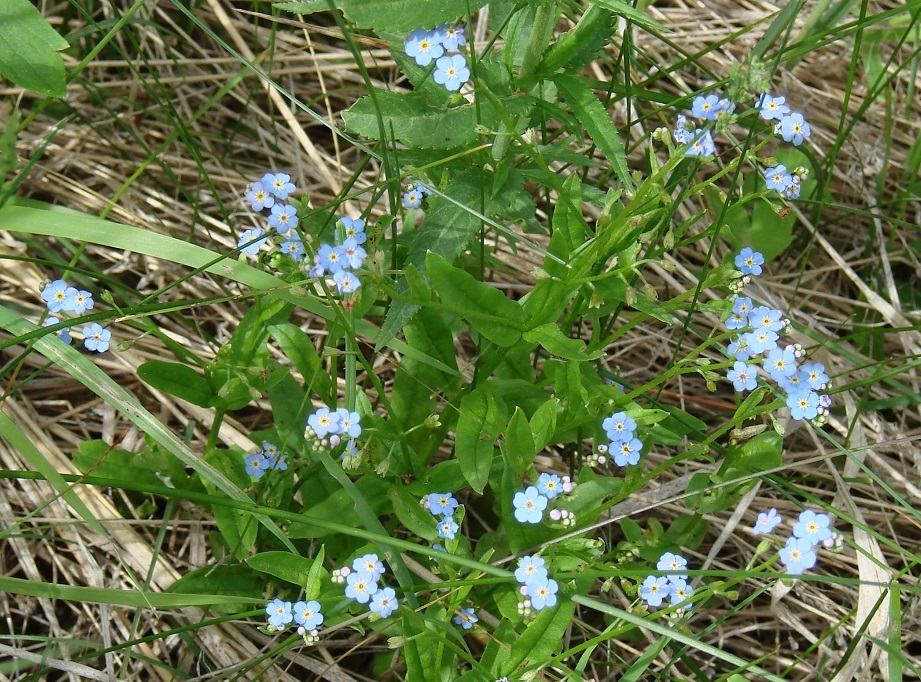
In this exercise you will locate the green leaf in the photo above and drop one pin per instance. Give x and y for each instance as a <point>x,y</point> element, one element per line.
<point>597,123</point>
<point>554,341</point>
<point>542,637</point>
<point>412,514</point>
<point>285,566</point>
<point>519,443</point>
<point>487,309</point>
<point>29,49</point>
<point>477,429</point>
<point>630,12</point>
<point>299,349</point>
<point>179,380</point>
<point>391,15</point>
<point>238,527</point>
<point>147,466</point>
<point>579,46</point>
<point>235,581</point>
<point>543,423</point>
<point>317,577</point>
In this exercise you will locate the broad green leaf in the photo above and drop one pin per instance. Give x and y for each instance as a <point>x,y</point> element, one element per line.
<point>283,565</point>
<point>29,49</point>
<point>597,123</point>
<point>149,466</point>
<point>630,12</point>
<point>580,45</point>
<point>542,637</point>
<point>238,527</point>
<point>299,349</point>
<point>231,581</point>
<point>412,514</point>
<point>519,443</point>
<point>178,380</point>
<point>318,576</point>
<point>391,15</point>
<point>543,423</point>
<point>477,429</point>
<point>554,341</point>
<point>487,309</point>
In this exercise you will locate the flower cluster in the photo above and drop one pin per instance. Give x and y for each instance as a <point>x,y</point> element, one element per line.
<point>328,428</point>
<point>426,46</point>
<point>265,459</point>
<point>269,197</point>
<point>706,108</point>
<point>413,197</point>
<point>442,507</point>
<point>624,447</point>
<point>361,584</point>
<point>810,531</point>
<point>792,127</point>
<point>760,328</point>
<point>531,503</point>
<point>341,259</point>
<point>674,587</point>
<point>537,588</point>
<point>60,297</point>
<point>307,615</point>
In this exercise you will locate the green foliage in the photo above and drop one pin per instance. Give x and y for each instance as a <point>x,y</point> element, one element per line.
<point>29,49</point>
<point>389,15</point>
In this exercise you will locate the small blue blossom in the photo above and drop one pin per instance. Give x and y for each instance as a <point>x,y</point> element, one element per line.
<point>293,247</point>
<point>78,301</point>
<point>442,504</point>
<point>681,133</point>
<point>95,338</point>
<point>451,37</point>
<point>670,561</point>
<point>466,618</point>
<point>529,505</point>
<point>767,522</point>
<point>772,107</point>
<point>793,128</point>
<point>743,377</point>
<point>447,528</point>
<point>706,107</point>
<point>738,348</point>
<point>749,262</point>
<point>803,404</point>
<point>549,485</point>
<point>349,423</point>
<point>619,427</point>
<point>283,218</point>
<point>281,464</point>
<point>346,282</point>
<point>451,72</point>
<point>626,452</point>
<point>259,197</point>
<point>279,613</point>
<point>812,527</point>
<point>360,586</point>
<point>777,178</point>
<point>702,145</point>
<point>815,375</point>
<point>353,252</point>
<point>761,341</point>
<point>530,569</point>
<point>251,241</point>
<point>370,564</point>
<point>331,258</point>
<point>798,555</point>
<point>384,602</point>
<point>654,590</point>
<point>793,191</point>
<point>323,422</point>
<point>780,363</point>
<point>679,591</point>
<point>56,295</point>
<point>354,228</point>
<point>412,199</point>
<point>542,593</point>
<point>307,615</point>
<point>424,46</point>
<point>63,333</point>
<point>279,184</point>
<point>254,465</point>
<point>768,319</point>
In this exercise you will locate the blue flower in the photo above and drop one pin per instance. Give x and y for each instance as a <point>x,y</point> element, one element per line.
<point>738,348</point>
<point>283,218</point>
<point>442,504</point>
<point>279,613</point>
<point>278,184</point>
<point>815,375</point>
<point>803,404</point>
<point>672,562</point>
<point>424,46</point>
<point>78,302</point>
<point>772,107</point>
<point>307,615</point>
<point>529,505</point>
<point>412,199</point>
<point>767,522</point>
<point>761,341</point>
<point>353,252</point>
<point>447,528</point>
<point>780,364</point>
<point>251,241</point>
<point>466,618</point>
<point>56,294</point>
<point>384,602</point>
<point>778,178</point>
<point>323,422</point>
<point>749,262</point>
<point>349,423</point>
<point>792,192</point>
<point>95,338</point>
<point>703,144</point>
<point>679,591</point>
<point>254,465</point>
<point>360,587</point>
<point>743,377</point>
<point>354,228</point>
<point>346,282</point>
<point>370,564</point>
<point>549,485</point>
<point>294,247</point>
<point>654,590</point>
<point>281,463</point>
<point>793,128</point>
<point>681,133</point>
<point>542,593</point>
<point>331,258</point>
<point>63,333</point>
<point>798,555</point>
<point>530,569</point>
<point>259,197</point>
<point>619,427</point>
<point>812,527</point>
<point>626,451</point>
<point>451,72</point>
<point>706,107</point>
<point>768,319</point>
<point>451,37</point>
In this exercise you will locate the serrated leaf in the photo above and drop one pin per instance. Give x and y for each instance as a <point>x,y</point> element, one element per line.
<point>477,430</point>
<point>487,309</point>
<point>29,49</point>
<point>285,566</point>
<point>178,380</point>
